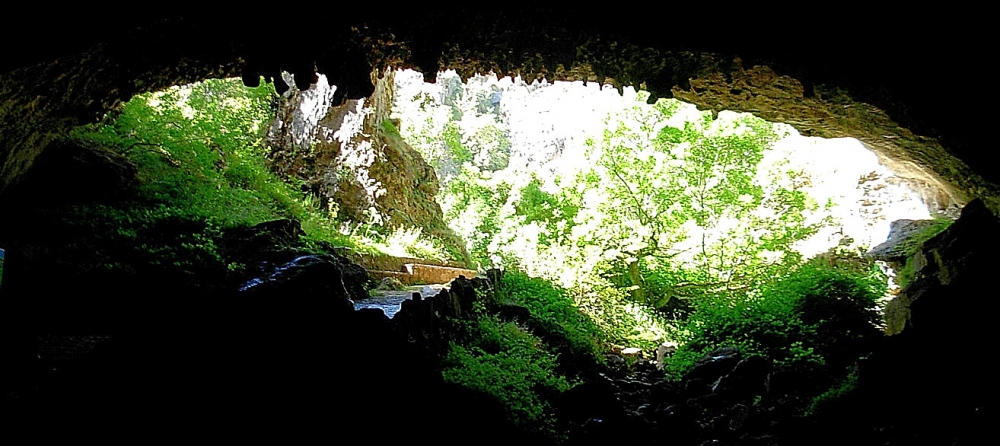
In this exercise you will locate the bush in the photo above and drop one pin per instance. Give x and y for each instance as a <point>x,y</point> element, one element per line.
<point>819,318</point>
<point>560,321</point>
<point>513,367</point>
<point>836,397</point>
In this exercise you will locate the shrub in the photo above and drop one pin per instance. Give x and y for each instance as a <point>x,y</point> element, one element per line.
<point>510,365</point>
<point>560,321</point>
<point>819,318</point>
<point>835,397</point>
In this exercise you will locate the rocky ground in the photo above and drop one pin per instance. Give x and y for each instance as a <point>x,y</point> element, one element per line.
<point>269,363</point>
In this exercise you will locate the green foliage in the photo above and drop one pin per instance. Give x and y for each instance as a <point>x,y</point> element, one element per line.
<point>459,130</point>
<point>662,212</point>
<point>200,158</point>
<point>668,208</point>
<point>200,148</point>
<point>681,200</point>
<point>453,141</point>
<point>622,320</point>
<point>695,191</point>
<point>406,243</point>
<point>473,207</point>
<point>818,318</point>
<point>200,151</point>
<point>512,366</point>
<point>492,148</point>
<point>840,395</point>
<point>576,336</point>
<point>389,128</point>
<point>554,213</point>
<point>670,287</point>
<point>113,245</point>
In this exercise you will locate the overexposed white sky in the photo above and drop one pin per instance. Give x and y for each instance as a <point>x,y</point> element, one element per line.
<point>548,124</point>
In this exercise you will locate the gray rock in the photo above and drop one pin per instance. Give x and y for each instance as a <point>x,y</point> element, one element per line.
<point>900,240</point>
<point>665,349</point>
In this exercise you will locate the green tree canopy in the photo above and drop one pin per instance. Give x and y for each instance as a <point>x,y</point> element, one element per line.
<point>689,192</point>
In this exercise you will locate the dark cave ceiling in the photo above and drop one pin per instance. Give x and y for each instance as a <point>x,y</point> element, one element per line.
<point>926,68</point>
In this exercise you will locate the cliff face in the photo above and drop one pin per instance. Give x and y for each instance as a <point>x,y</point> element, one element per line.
<point>352,158</point>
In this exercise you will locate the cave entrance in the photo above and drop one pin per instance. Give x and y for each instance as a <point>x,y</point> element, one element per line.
<point>504,153</point>
<point>555,178</point>
<point>528,141</point>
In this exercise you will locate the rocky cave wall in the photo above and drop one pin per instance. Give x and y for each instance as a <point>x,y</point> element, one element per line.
<point>47,94</point>
<point>41,102</point>
<point>351,157</point>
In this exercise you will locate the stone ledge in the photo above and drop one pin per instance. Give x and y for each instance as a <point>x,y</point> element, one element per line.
<point>421,274</point>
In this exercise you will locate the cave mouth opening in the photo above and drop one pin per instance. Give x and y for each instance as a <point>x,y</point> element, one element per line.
<point>531,142</point>
<point>540,175</point>
<point>531,139</point>
<point>554,178</point>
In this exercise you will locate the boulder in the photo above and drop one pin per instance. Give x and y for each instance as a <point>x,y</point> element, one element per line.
<point>391,284</point>
<point>900,239</point>
<point>665,349</point>
<point>746,380</point>
<point>308,278</point>
<point>514,313</point>
<point>595,400</point>
<point>310,274</point>
<point>631,351</point>
<point>715,364</point>
<point>250,244</point>
<point>67,172</point>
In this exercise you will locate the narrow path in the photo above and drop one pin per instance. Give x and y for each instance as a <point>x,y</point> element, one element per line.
<point>411,271</point>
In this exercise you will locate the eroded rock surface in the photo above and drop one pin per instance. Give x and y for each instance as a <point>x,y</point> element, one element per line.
<point>351,158</point>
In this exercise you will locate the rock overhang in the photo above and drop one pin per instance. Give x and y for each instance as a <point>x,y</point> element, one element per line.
<point>887,65</point>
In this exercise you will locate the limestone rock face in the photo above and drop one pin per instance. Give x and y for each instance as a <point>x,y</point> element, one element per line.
<point>933,380</point>
<point>900,232</point>
<point>952,269</point>
<point>351,157</point>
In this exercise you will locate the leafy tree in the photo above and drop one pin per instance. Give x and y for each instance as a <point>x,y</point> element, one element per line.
<point>666,203</point>
<point>460,125</point>
<point>472,205</point>
<point>692,192</point>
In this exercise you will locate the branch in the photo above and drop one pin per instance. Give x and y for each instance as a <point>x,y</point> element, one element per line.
<point>653,251</point>
<point>631,194</point>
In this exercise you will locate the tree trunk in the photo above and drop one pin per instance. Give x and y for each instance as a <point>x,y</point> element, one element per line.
<point>638,290</point>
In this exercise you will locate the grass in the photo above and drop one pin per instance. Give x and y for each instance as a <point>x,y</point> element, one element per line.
<point>201,157</point>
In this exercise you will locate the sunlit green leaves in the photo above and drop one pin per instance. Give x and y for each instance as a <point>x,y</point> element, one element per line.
<point>512,366</point>
<point>658,182</point>
<point>817,318</point>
